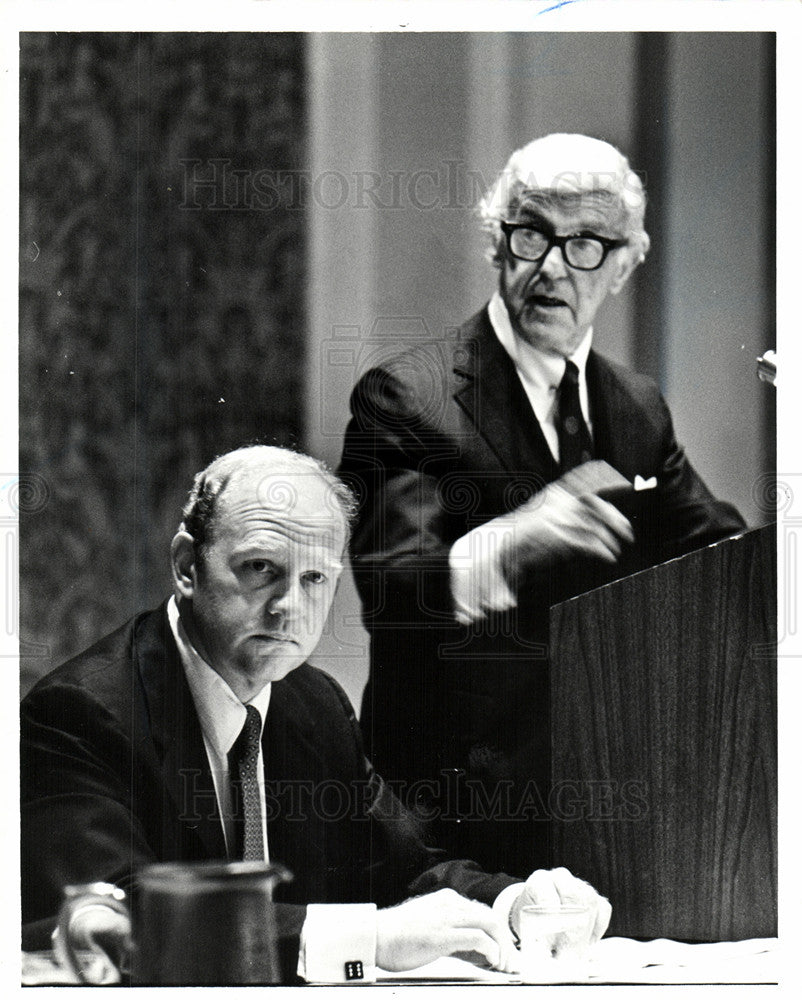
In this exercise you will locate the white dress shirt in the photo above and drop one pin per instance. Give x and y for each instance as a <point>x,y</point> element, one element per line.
<point>541,374</point>
<point>334,937</point>
<point>222,716</point>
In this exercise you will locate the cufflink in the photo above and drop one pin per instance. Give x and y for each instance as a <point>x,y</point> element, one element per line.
<point>353,970</point>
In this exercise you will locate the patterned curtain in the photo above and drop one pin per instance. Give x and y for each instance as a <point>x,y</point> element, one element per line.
<point>161,302</point>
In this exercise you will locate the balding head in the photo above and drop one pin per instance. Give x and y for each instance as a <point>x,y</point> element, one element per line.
<point>277,474</point>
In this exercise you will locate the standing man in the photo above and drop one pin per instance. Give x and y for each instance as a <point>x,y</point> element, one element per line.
<point>478,509</point>
<point>197,731</point>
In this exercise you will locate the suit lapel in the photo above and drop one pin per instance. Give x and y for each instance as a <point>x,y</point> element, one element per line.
<point>615,421</point>
<point>291,749</point>
<point>488,390</point>
<point>295,771</point>
<point>178,739</point>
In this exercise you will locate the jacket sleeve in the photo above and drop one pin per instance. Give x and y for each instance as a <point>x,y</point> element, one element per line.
<point>403,863</point>
<point>689,516</point>
<point>77,820</point>
<point>393,458</point>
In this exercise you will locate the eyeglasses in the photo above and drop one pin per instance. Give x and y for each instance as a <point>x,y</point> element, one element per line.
<point>585,252</point>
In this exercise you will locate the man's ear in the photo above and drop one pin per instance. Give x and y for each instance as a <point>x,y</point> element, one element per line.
<point>626,265</point>
<point>183,561</point>
<point>628,262</point>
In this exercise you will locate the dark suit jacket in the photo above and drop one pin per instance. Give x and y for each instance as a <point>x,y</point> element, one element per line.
<point>115,776</point>
<point>441,440</point>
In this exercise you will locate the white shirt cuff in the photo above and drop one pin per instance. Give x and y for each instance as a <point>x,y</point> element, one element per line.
<point>503,904</point>
<point>478,583</point>
<point>338,943</point>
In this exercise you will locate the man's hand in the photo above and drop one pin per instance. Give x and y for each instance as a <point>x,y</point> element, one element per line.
<point>559,887</point>
<point>441,923</point>
<point>100,928</point>
<point>555,524</point>
<point>552,526</point>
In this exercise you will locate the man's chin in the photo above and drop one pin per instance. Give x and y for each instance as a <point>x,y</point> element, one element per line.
<point>282,670</point>
<point>548,335</point>
<point>275,661</point>
<point>276,667</point>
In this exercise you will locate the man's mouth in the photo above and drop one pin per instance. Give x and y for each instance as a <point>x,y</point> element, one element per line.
<point>546,302</point>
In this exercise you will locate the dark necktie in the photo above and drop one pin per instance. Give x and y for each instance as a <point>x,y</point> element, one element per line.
<point>572,431</point>
<point>243,761</point>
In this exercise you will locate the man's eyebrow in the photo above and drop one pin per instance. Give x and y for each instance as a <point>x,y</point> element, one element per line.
<point>256,552</point>
<point>266,554</point>
<point>528,214</point>
<point>531,208</point>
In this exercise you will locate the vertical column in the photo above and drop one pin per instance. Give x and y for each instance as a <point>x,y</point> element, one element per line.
<point>651,161</point>
<point>718,269</point>
<point>342,147</point>
<point>489,141</point>
<point>342,71</point>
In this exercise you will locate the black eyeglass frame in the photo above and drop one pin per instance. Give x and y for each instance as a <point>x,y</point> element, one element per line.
<point>508,228</point>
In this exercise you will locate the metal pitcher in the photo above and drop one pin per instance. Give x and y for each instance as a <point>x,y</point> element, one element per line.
<point>189,924</point>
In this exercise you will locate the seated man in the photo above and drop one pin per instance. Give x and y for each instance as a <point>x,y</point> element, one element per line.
<point>129,751</point>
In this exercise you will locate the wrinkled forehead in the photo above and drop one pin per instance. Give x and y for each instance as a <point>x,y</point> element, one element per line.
<point>593,209</point>
<point>294,505</point>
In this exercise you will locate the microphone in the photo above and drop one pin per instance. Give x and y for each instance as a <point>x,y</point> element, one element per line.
<point>767,367</point>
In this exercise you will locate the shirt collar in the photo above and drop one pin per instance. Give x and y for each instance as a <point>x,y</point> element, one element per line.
<point>221,713</point>
<point>545,371</point>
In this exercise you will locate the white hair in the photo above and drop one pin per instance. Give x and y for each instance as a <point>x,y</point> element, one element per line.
<point>566,167</point>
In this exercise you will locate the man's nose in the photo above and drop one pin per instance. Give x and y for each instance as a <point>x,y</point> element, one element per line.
<point>285,602</point>
<point>553,264</point>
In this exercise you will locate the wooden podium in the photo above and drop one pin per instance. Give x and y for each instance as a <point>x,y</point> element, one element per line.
<point>664,743</point>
